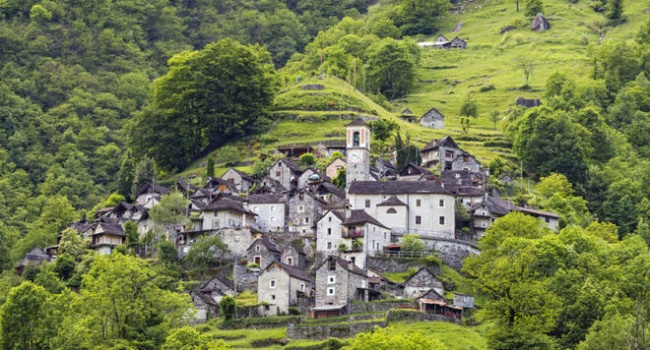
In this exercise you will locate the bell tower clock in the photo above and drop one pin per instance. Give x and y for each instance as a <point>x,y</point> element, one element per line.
<point>358,150</point>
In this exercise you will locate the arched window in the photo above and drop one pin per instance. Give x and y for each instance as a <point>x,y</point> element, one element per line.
<point>391,211</point>
<point>355,139</point>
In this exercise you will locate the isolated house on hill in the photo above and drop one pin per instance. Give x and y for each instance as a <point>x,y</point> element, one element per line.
<point>422,281</point>
<point>433,119</point>
<point>528,103</point>
<point>34,258</point>
<point>458,43</point>
<point>441,42</point>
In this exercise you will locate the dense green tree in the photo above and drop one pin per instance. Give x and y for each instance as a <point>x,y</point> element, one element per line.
<point>556,194</point>
<point>143,174</point>
<point>21,317</point>
<point>391,68</point>
<point>420,16</point>
<point>533,7</point>
<point>227,307</point>
<point>383,128</point>
<point>132,235</point>
<point>73,244</point>
<point>393,339</point>
<point>469,108</point>
<point>614,9</point>
<point>412,243</point>
<point>229,155</point>
<point>188,338</point>
<point>307,159</point>
<point>205,254</point>
<point>209,172</point>
<point>207,98</point>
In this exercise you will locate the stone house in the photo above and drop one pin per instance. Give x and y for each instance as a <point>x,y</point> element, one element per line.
<point>311,177</point>
<point>385,169</point>
<point>280,286</point>
<point>220,186</point>
<point>422,281</point>
<point>441,42</point>
<point>149,195</point>
<point>363,235</point>
<point>413,172</point>
<point>338,283</point>
<point>329,232</point>
<point>467,186</point>
<point>458,43</point>
<point>430,208</point>
<point>263,252</point>
<point>407,116</point>
<point>242,181</point>
<point>442,151</point>
<point>304,208</point>
<point>206,297</point>
<point>269,186</point>
<point>295,256</point>
<point>551,219</point>
<point>333,167</point>
<point>226,212</point>
<point>487,211</point>
<point>528,103</point>
<point>271,211</point>
<point>433,119</point>
<point>124,212</point>
<point>466,161</point>
<point>106,236</point>
<point>34,257</point>
<point>328,193</point>
<point>286,173</point>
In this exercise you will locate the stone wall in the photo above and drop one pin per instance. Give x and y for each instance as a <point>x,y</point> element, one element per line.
<point>244,279</point>
<point>362,308</point>
<point>418,316</point>
<point>339,330</point>
<point>453,253</point>
<point>383,265</point>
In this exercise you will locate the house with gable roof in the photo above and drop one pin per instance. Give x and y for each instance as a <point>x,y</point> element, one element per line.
<point>242,181</point>
<point>263,251</point>
<point>433,119</point>
<point>304,208</point>
<point>295,256</point>
<point>149,195</point>
<point>467,186</point>
<point>34,257</point>
<point>329,232</point>
<point>430,208</point>
<point>333,167</point>
<point>206,297</point>
<point>280,286</point>
<point>466,161</point>
<point>338,283</point>
<point>362,235</point>
<point>458,43</point>
<point>412,172</point>
<point>421,282</point>
<point>107,234</point>
<point>440,151</point>
<point>286,173</point>
<point>271,210</point>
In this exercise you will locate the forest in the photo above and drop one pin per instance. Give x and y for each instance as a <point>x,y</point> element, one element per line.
<point>97,98</point>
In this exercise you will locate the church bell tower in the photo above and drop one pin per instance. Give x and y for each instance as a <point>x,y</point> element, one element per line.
<point>358,152</point>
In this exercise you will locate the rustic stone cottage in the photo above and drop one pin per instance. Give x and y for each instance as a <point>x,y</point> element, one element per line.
<point>263,252</point>
<point>440,151</point>
<point>422,281</point>
<point>242,181</point>
<point>433,119</point>
<point>206,297</point>
<point>271,210</point>
<point>280,286</point>
<point>286,173</point>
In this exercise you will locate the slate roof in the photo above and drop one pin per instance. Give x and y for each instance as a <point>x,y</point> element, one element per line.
<point>359,216</point>
<point>266,242</point>
<point>226,203</point>
<point>269,185</point>
<point>216,182</point>
<point>291,165</point>
<point>266,198</point>
<point>413,169</point>
<point>446,141</point>
<point>228,283</point>
<point>396,187</point>
<point>328,187</point>
<point>463,182</point>
<point>407,112</point>
<point>36,255</point>
<point>357,122</point>
<point>153,188</point>
<point>244,175</point>
<point>292,271</point>
<point>536,212</point>
<point>296,248</point>
<point>346,265</point>
<point>337,213</point>
<point>495,205</point>
<point>109,229</point>
<point>185,186</point>
<point>391,201</point>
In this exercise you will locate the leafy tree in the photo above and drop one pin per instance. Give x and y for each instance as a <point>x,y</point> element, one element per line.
<point>207,98</point>
<point>412,243</point>
<point>533,7</point>
<point>187,338</point>
<point>21,317</point>
<point>64,266</point>
<point>393,339</point>
<point>527,64</point>
<point>420,16</point>
<point>71,243</point>
<point>229,155</point>
<point>556,194</point>
<point>307,159</point>
<point>511,339</point>
<point>210,167</point>
<point>614,9</point>
<point>205,254</point>
<point>391,68</point>
<point>495,117</point>
<point>340,179</point>
<point>126,175</point>
<point>383,128</point>
<point>144,174</point>
<point>170,212</point>
<point>132,235</point>
<point>120,301</point>
<point>227,306</point>
<point>469,108</point>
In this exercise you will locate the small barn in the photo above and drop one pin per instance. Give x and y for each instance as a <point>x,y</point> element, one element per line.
<point>433,119</point>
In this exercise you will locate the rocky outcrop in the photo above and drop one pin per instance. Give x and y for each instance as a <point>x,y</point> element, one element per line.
<point>540,23</point>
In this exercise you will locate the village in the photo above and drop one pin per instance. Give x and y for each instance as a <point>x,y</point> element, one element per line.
<point>304,246</point>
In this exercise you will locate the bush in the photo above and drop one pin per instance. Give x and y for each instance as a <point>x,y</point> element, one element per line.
<point>227,307</point>
<point>487,88</point>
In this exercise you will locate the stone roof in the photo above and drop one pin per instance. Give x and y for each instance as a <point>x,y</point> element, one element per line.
<point>413,169</point>
<point>110,229</point>
<point>346,265</point>
<point>228,283</point>
<point>446,141</point>
<point>359,216</point>
<point>391,201</point>
<point>292,271</point>
<point>36,255</point>
<point>153,188</point>
<point>337,213</point>
<point>328,187</point>
<point>535,212</point>
<point>407,112</point>
<point>266,198</point>
<point>216,182</point>
<point>357,122</point>
<point>244,175</point>
<point>266,242</point>
<point>495,205</point>
<point>291,165</point>
<point>396,187</point>
<point>227,203</point>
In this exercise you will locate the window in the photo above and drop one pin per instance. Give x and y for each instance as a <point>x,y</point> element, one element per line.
<point>301,196</point>
<point>332,265</point>
<point>302,287</point>
<point>258,260</point>
<point>418,220</point>
<point>367,203</point>
<point>329,245</point>
<point>449,154</point>
<point>442,203</point>
<point>215,223</point>
<point>273,208</point>
<point>272,284</point>
<point>442,220</point>
<point>256,209</point>
<point>353,260</point>
<point>418,202</point>
<point>257,248</point>
<point>355,139</point>
<point>290,261</point>
<point>465,158</point>
<point>329,231</point>
<point>306,220</point>
<point>278,173</point>
<point>301,209</point>
<point>273,297</point>
<point>391,211</point>
<point>330,291</point>
<point>331,279</point>
<point>330,219</point>
<point>237,237</point>
<point>272,218</point>
<point>231,181</point>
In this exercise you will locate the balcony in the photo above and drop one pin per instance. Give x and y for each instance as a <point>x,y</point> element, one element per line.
<point>352,233</point>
